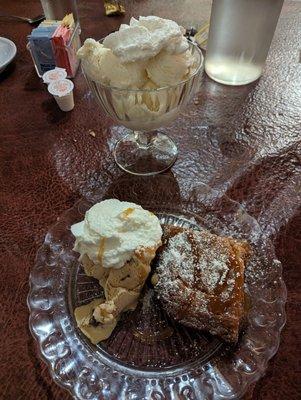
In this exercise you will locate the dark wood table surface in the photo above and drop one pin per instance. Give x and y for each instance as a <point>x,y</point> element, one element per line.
<point>243,141</point>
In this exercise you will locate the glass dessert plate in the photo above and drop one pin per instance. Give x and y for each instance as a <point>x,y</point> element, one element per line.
<point>148,356</point>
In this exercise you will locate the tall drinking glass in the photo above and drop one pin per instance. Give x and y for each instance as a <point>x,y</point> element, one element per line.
<point>240,36</point>
<point>57,9</point>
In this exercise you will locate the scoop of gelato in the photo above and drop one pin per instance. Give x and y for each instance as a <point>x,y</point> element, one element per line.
<point>101,65</point>
<point>168,69</point>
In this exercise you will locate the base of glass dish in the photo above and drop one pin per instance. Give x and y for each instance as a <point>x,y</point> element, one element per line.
<point>142,153</point>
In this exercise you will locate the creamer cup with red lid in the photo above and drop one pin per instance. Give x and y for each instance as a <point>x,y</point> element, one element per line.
<point>55,74</point>
<point>62,91</point>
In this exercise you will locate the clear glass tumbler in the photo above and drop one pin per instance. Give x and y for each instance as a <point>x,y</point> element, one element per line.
<point>240,36</point>
<point>57,9</point>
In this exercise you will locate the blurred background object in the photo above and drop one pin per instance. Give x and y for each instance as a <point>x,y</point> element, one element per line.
<point>31,21</point>
<point>57,9</point>
<point>114,7</point>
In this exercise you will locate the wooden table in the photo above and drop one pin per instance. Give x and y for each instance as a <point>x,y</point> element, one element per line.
<point>243,141</point>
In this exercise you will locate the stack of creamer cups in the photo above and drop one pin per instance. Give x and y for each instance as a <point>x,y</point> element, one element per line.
<point>60,88</point>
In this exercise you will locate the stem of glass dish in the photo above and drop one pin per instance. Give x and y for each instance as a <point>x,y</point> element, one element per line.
<point>145,152</point>
<point>144,139</point>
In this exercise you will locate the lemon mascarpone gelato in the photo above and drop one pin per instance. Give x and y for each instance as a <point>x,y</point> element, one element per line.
<point>102,65</point>
<point>148,54</point>
<point>148,48</point>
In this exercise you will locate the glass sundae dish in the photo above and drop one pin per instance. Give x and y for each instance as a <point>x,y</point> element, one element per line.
<point>142,76</point>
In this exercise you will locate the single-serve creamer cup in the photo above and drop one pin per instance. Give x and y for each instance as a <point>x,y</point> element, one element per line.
<point>55,74</point>
<point>62,91</point>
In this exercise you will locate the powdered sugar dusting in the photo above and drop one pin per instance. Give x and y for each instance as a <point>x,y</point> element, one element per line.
<point>179,248</point>
<point>212,261</point>
<point>200,280</point>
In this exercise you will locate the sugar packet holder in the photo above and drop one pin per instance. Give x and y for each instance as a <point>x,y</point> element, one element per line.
<point>71,47</point>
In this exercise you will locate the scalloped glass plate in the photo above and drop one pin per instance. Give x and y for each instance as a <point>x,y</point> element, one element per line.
<point>148,356</point>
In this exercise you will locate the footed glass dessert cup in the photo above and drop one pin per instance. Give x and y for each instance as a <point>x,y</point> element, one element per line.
<point>144,150</point>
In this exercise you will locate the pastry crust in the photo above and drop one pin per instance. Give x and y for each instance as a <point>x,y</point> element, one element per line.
<point>201,280</point>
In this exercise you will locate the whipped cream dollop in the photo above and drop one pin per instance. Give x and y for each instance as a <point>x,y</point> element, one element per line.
<point>113,230</point>
<point>144,38</point>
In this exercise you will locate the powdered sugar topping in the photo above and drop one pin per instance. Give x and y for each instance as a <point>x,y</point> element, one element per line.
<point>212,264</point>
<point>179,248</point>
<point>203,264</point>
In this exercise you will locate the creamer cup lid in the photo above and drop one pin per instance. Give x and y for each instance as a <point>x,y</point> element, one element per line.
<point>60,88</point>
<point>55,74</point>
